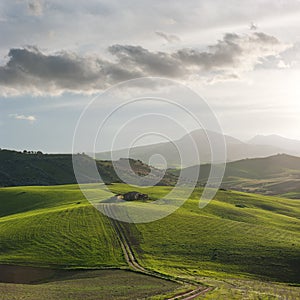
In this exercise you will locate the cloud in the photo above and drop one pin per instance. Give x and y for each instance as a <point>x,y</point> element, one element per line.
<point>148,63</point>
<point>30,70</point>
<point>170,38</point>
<point>223,77</point>
<point>253,26</point>
<point>234,52</point>
<point>23,117</point>
<point>282,65</point>
<point>35,7</point>
<point>77,23</point>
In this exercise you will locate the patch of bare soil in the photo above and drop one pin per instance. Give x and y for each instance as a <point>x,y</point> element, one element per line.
<point>22,274</point>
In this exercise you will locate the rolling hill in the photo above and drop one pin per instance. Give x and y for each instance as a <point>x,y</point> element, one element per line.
<point>238,236</point>
<point>173,152</point>
<point>24,169</point>
<point>55,226</point>
<point>274,175</point>
<point>75,247</point>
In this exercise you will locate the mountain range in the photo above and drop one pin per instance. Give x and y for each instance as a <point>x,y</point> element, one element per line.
<point>287,145</point>
<point>181,153</point>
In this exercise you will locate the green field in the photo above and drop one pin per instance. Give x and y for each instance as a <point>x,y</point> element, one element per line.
<point>90,285</point>
<point>55,226</point>
<point>236,241</point>
<point>237,234</point>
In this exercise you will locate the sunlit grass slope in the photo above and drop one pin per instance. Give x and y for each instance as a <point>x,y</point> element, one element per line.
<point>237,234</point>
<point>55,226</point>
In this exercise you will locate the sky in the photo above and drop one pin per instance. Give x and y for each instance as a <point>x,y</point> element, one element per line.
<point>241,57</point>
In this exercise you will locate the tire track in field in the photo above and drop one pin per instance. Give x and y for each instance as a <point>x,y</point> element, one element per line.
<point>191,294</point>
<point>134,264</point>
<point>125,244</point>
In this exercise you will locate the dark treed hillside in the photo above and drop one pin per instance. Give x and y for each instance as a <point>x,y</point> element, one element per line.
<point>275,175</point>
<point>22,169</point>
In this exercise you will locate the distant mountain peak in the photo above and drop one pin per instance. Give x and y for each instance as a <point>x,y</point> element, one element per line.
<point>290,146</point>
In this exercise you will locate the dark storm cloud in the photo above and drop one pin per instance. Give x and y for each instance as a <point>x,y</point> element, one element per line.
<point>29,70</point>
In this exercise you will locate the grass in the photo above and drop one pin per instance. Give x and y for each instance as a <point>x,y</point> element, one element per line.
<point>240,243</point>
<point>108,284</point>
<point>260,239</point>
<point>55,226</point>
<point>237,289</point>
<point>291,195</point>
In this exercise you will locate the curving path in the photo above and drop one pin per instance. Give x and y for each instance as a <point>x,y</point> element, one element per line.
<point>134,264</point>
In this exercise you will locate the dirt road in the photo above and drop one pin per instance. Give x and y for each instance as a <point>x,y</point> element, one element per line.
<point>134,264</point>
